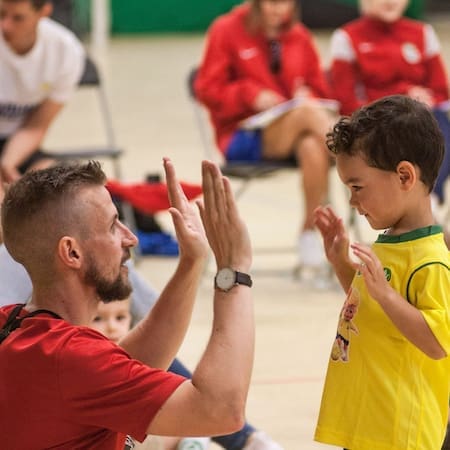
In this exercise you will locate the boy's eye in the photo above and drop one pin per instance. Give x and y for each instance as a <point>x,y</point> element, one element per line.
<point>356,188</point>
<point>97,319</point>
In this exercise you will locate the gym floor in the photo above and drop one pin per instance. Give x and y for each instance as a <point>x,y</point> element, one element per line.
<point>145,78</point>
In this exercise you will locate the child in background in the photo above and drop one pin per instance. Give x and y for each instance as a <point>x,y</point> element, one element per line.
<point>392,389</point>
<point>383,53</point>
<point>114,320</point>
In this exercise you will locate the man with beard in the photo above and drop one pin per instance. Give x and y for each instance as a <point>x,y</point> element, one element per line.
<point>81,390</point>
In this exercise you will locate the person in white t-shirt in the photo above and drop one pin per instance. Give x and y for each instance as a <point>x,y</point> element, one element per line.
<point>41,63</point>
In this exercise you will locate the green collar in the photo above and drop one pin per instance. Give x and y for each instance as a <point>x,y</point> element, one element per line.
<point>410,235</point>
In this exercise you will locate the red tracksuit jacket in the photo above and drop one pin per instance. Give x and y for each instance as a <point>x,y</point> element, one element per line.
<point>372,59</point>
<point>235,69</point>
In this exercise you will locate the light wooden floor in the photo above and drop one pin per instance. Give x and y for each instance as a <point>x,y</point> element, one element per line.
<point>145,78</point>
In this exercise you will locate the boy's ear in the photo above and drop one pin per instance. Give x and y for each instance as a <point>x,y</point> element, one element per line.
<point>407,175</point>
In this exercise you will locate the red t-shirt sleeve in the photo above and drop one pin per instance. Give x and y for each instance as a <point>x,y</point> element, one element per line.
<point>100,385</point>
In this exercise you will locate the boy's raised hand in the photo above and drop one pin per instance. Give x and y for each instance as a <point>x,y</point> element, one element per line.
<point>335,238</point>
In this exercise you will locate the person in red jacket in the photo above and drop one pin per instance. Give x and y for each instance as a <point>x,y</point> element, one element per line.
<point>258,56</point>
<point>382,53</point>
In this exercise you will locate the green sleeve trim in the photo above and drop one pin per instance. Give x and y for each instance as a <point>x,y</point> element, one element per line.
<point>416,270</point>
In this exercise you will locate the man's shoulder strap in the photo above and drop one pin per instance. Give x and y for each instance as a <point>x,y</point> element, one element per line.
<point>13,322</point>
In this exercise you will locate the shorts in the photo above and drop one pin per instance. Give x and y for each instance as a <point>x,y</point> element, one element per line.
<point>245,145</point>
<point>32,159</point>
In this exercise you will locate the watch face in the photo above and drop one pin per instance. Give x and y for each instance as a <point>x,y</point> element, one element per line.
<point>225,278</point>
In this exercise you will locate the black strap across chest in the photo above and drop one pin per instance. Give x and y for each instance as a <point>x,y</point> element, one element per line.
<point>13,322</point>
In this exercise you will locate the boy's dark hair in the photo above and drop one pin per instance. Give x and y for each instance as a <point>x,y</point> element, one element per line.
<point>41,207</point>
<point>392,129</point>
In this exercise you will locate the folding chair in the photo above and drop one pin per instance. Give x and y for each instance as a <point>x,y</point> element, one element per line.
<point>91,79</point>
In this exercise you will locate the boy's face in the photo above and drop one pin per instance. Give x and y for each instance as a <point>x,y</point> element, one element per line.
<point>113,319</point>
<point>18,23</point>
<point>374,193</point>
<point>385,10</point>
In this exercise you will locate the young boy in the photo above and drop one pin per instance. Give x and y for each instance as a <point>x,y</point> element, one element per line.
<point>392,389</point>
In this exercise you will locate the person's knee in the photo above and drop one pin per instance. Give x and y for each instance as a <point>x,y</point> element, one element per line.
<point>312,151</point>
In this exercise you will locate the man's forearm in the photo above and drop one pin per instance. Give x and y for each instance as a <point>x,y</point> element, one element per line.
<point>228,359</point>
<point>157,338</point>
<point>220,383</point>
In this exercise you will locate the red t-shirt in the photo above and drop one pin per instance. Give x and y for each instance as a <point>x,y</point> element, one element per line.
<point>68,387</point>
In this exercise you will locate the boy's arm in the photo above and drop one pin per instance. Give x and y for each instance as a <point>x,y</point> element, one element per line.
<point>407,318</point>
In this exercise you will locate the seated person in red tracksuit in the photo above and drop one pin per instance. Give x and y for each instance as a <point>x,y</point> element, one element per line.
<point>256,57</point>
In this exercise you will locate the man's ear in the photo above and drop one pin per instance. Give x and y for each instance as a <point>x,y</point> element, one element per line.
<point>69,252</point>
<point>407,175</point>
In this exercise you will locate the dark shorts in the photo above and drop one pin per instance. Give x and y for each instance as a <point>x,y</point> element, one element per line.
<point>245,145</point>
<point>34,158</point>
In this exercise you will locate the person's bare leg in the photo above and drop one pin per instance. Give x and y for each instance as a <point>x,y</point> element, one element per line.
<point>302,132</point>
<point>315,163</point>
<point>280,137</point>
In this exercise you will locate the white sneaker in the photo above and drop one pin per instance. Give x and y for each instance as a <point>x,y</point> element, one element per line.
<point>194,443</point>
<point>310,246</point>
<point>259,440</point>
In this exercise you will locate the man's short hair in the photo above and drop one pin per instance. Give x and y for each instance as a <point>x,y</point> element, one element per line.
<point>392,129</point>
<point>41,207</point>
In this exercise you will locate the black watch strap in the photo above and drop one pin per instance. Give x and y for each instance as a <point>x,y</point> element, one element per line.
<point>243,278</point>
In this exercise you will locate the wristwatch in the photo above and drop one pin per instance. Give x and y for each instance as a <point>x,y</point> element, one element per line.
<point>226,278</point>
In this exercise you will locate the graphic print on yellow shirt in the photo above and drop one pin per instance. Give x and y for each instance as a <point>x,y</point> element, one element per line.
<point>341,346</point>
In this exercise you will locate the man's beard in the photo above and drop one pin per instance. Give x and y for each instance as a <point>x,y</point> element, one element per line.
<point>107,291</point>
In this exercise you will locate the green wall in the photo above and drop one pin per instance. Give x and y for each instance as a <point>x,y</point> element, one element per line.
<point>139,16</point>
<point>142,16</point>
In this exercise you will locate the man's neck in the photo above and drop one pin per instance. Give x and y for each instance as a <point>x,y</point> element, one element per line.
<point>75,307</point>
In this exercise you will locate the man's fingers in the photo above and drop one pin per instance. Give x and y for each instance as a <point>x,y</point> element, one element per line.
<point>176,194</point>
<point>213,189</point>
